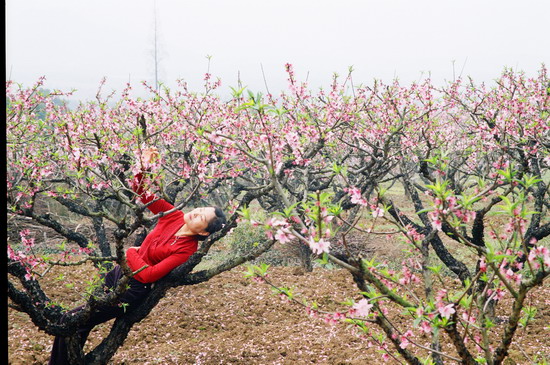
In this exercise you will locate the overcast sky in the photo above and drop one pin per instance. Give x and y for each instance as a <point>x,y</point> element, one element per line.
<point>76,43</point>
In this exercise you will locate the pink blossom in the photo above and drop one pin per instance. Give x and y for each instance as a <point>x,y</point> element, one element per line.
<point>312,312</point>
<point>452,200</point>
<point>278,223</point>
<point>469,216</point>
<point>446,311</point>
<point>532,258</point>
<point>426,327</point>
<point>498,293</point>
<point>295,219</point>
<point>482,265</point>
<point>539,252</point>
<point>283,235</point>
<point>437,224</point>
<point>441,294</point>
<point>518,265</point>
<point>333,318</point>
<point>362,308</point>
<point>468,318</point>
<point>407,276</point>
<point>412,233</point>
<point>356,197</point>
<point>318,247</point>
<point>378,212</point>
<point>436,220</point>
<point>509,226</point>
<point>258,279</point>
<point>404,343</point>
<point>405,339</point>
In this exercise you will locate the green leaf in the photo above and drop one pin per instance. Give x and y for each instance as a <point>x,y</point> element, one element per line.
<point>244,212</point>
<point>249,272</point>
<point>435,269</point>
<point>489,323</point>
<point>236,93</point>
<point>251,95</point>
<point>529,181</point>
<point>323,260</point>
<point>348,302</point>
<point>424,211</point>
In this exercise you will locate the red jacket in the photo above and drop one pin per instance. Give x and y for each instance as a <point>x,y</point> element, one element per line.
<point>161,250</point>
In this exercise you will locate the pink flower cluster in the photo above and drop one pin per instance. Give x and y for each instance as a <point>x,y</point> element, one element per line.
<point>334,318</point>
<point>539,254</point>
<point>444,310</point>
<point>435,218</point>
<point>497,294</point>
<point>282,230</point>
<point>408,277</point>
<point>449,206</point>
<point>510,274</point>
<point>319,246</point>
<point>404,339</point>
<point>25,257</point>
<point>413,234</point>
<point>356,197</point>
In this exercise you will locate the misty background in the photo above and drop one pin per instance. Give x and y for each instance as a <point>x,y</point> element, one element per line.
<point>75,44</point>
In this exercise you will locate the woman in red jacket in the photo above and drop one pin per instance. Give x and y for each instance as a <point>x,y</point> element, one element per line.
<point>173,240</point>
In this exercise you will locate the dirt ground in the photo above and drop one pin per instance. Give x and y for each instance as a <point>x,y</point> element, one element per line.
<point>235,320</point>
<point>231,319</point>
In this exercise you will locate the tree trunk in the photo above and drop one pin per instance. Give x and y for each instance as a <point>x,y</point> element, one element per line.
<point>101,237</point>
<point>305,254</point>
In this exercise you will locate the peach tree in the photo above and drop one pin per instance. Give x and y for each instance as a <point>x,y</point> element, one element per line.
<point>85,160</point>
<point>472,164</point>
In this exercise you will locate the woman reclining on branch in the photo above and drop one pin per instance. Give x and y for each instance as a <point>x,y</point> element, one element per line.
<point>173,240</point>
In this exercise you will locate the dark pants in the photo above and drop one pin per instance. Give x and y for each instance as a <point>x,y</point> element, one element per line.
<point>133,296</point>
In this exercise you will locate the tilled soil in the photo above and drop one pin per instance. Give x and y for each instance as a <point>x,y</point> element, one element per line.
<point>234,320</point>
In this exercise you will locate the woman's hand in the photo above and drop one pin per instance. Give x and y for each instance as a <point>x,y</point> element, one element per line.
<point>149,156</point>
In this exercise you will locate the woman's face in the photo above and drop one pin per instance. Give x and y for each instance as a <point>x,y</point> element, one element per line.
<point>197,220</point>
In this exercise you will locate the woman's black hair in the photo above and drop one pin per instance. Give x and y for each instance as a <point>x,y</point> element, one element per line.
<point>215,224</point>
